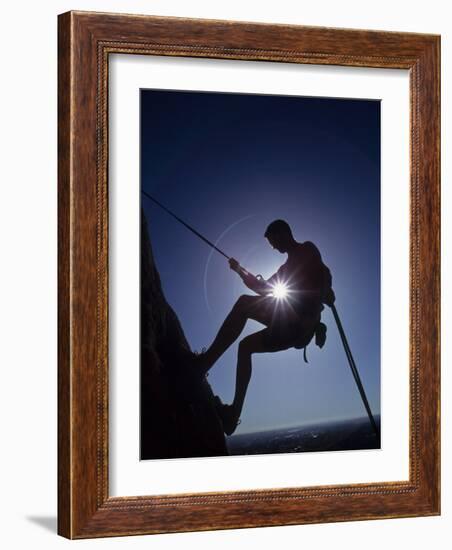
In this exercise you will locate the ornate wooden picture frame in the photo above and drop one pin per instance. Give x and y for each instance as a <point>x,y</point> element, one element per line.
<point>85,508</point>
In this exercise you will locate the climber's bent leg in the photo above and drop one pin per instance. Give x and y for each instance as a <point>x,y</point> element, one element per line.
<point>246,307</point>
<point>259,342</point>
<point>264,341</point>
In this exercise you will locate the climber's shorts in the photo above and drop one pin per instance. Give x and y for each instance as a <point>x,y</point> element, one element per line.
<point>279,337</point>
<point>285,328</point>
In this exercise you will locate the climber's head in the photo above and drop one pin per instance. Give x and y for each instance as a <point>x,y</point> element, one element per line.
<point>279,235</point>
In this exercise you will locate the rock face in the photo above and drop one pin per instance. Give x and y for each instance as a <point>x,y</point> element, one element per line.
<point>178,417</point>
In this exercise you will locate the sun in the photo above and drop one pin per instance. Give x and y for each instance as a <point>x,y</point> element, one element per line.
<point>280,291</point>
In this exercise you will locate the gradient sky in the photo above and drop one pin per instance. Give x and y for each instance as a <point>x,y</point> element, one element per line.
<point>229,164</point>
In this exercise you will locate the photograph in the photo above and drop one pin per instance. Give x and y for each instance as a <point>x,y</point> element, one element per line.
<point>260,274</point>
<point>248,272</point>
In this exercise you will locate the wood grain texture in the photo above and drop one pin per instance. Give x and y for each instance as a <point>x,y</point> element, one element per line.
<point>64,295</point>
<point>85,42</point>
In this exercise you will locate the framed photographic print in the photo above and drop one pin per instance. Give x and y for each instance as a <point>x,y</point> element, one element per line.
<point>248,275</point>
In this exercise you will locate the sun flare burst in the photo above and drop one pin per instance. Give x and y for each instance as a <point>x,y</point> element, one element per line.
<point>280,291</point>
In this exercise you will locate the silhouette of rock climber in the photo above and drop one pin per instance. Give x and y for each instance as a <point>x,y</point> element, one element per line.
<point>289,304</point>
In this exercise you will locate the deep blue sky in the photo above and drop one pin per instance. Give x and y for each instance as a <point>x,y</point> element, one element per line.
<point>229,164</point>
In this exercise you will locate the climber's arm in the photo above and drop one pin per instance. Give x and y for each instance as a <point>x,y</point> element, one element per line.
<point>256,284</point>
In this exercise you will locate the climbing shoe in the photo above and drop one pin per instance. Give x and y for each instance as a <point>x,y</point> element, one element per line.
<point>227,416</point>
<point>198,362</point>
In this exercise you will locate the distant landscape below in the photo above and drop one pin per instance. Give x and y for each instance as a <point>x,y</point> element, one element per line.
<point>341,435</point>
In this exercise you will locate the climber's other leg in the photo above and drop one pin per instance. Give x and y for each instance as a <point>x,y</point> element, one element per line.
<point>246,307</point>
<point>259,342</point>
